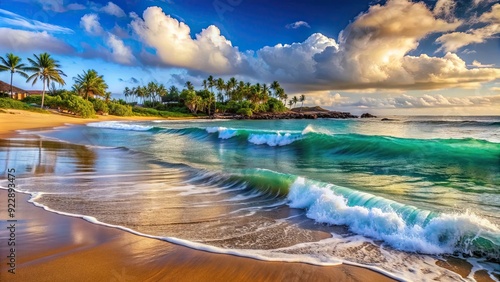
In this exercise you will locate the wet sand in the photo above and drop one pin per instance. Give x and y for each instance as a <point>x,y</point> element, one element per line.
<point>53,247</point>
<point>12,120</point>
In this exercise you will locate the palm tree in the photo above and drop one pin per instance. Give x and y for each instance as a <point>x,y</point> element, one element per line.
<point>91,81</point>
<point>275,86</point>
<point>126,92</point>
<point>290,103</point>
<point>231,84</point>
<point>189,85</point>
<point>12,64</point>
<point>205,84</point>
<point>46,69</point>
<point>173,93</point>
<point>107,96</point>
<point>302,99</point>
<point>211,83</point>
<point>295,100</point>
<point>220,85</point>
<point>161,91</point>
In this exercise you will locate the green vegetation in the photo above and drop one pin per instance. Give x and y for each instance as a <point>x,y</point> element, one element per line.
<point>233,96</point>
<point>46,69</point>
<point>7,103</point>
<point>90,83</point>
<point>89,94</point>
<point>148,112</point>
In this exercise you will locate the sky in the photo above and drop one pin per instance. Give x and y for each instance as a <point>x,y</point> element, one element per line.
<point>384,57</point>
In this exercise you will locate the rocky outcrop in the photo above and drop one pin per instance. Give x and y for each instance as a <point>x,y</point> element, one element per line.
<point>367,115</point>
<point>291,115</point>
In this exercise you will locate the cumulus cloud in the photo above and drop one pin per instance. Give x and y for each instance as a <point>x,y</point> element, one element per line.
<point>372,53</point>
<point>15,20</point>
<point>20,40</point>
<point>209,51</point>
<point>325,98</point>
<point>277,60</point>
<point>113,9</point>
<point>119,52</point>
<point>297,24</point>
<point>90,23</point>
<point>479,65</point>
<point>451,42</point>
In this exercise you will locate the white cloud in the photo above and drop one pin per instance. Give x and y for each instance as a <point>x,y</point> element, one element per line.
<point>90,22</point>
<point>20,40</point>
<point>445,8</point>
<point>325,98</point>
<point>426,101</point>
<point>277,60</point>
<point>298,24</point>
<point>113,9</point>
<point>120,53</point>
<point>453,41</point>
<point>15,20</point>
<point>209,51</point>
<point>467,51</point>
<point>479,65</point>
<point>372,53</point>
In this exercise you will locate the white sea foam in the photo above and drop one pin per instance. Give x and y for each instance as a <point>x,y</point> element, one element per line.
<point>376,218</point>
<point>120,125</point>
<point>273,139</point>
<point>224,133</point>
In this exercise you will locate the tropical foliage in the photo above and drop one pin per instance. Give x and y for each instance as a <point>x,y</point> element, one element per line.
<point>12,63</point>
<point>89,93</point>
<point>45,68</point>
<point>90,82</point>
<point>230,96</point>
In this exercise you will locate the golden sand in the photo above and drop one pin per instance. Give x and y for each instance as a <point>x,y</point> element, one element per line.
<point>52,247</point>
<point>12,120</point>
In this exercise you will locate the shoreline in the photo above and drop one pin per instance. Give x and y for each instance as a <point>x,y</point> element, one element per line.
<point>53,242</point>
<point>13,120</point>
<point>275,269</point>
<point>98,252</point>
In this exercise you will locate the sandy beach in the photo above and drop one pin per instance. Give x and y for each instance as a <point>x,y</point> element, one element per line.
<point>53,247</point>
<point>12,120</point>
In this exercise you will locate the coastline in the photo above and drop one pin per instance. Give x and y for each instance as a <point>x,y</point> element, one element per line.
<point>12,120</point>
<point>60,248</point>
<point>55,247</point>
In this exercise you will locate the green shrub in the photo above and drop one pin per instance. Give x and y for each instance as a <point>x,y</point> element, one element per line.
<point>8,103</point>
<point>245,112</point>
<point>78,106</point>
<point>119,109</point>
<point>100,106</point>
<point>275,106</point>
<point>139,111</point>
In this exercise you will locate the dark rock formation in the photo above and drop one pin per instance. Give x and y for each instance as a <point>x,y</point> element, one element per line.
<point>367,115</point>
<point>292,115</point>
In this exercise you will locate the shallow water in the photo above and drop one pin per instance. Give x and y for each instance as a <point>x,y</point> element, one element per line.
<point>395,196</point>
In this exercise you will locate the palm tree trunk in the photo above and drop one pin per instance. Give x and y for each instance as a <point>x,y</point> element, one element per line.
<point>11,92</point>
<point>43,94</point>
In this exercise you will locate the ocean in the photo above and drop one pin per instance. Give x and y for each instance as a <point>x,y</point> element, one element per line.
<point>399,196</point>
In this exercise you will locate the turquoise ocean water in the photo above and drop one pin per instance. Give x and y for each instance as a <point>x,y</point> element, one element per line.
<point>394,196</point>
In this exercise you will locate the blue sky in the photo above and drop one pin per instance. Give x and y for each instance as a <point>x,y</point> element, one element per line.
<point>387,57</point>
